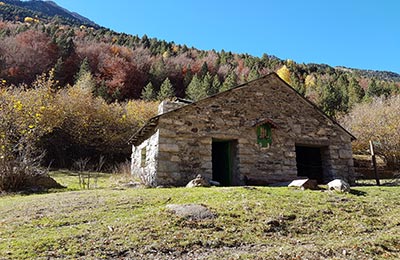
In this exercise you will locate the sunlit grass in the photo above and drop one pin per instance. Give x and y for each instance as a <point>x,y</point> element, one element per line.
<point>251,222</point>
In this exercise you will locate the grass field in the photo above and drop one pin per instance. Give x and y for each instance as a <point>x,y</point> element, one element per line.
<point>251,223</point>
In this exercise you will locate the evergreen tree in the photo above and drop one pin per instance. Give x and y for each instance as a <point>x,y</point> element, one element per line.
<point>356,92</point>
<point>215,86</point>
<point>230,82</point>
<point>196,90</point>
<point>188,76</point>
<point>203,71</point>
<point>86,82</point>
<point>148,92</point>
<point>166,90</point>
<point>83,69</point>
<point>65,43</point>
<point>373,89</point>
<point>342,84</point>
<point>207,84</point>
<point>330,99</point>
<point>158,72</point>
<point>253,74</point>
<point>58,71</point>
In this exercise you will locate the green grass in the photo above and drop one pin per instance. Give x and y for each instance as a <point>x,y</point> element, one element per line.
<point>261,222</point>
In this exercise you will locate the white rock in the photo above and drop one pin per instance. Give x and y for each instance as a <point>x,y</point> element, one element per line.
<point>339,185</point>
<point>199,181</point>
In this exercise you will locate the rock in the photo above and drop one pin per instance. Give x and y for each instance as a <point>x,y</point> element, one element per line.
<point>339,185</point>
<point>304,184</point>
<point>199,181</point>
<point>191,211</point>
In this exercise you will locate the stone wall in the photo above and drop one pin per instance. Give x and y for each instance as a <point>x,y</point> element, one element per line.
<point>146,170</point>
<point>186,136</point>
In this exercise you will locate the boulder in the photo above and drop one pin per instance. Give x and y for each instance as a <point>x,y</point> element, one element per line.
<point>304,184</point>
<point>191,211</point>
<point>199,181</point>
<point>339,185</point>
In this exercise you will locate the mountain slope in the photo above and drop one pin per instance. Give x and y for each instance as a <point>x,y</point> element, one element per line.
<point>16,10</point>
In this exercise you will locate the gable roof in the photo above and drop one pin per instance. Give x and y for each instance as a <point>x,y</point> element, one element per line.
<point>149,128</point>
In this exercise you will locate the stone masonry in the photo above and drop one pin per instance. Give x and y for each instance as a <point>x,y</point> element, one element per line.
<point>178,143</point>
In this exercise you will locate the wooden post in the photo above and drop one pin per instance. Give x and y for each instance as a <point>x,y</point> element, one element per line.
<point>371,148</point>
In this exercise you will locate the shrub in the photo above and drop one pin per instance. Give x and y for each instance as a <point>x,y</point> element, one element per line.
<point>25,116</point>
<point>379,121</point>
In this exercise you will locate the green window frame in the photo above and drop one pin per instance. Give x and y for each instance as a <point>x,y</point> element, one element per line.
<point>264,135</point>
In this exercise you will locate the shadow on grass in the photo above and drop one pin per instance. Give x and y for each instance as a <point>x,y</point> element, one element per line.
<point>358,192</point>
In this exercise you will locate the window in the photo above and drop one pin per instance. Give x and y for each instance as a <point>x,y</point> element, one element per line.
<point>264,135</point>
<point>143,157</point>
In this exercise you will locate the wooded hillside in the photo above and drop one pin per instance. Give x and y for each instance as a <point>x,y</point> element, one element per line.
<point>123,65</point>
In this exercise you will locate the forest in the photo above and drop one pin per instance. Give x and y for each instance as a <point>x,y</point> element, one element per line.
<point>80,92</point>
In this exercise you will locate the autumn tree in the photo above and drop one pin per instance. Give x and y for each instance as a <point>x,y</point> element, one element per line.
<point>284,73</point>
<point>379,121</point>
<point>27,55</point>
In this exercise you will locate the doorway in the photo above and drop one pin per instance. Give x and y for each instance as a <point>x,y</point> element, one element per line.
<point>309,162</point>
<point>223,154</point>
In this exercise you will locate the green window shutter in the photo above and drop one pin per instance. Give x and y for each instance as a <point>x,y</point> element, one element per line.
<point>264,135</point>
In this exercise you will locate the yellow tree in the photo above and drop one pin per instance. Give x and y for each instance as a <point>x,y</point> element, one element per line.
<point>284,74</point>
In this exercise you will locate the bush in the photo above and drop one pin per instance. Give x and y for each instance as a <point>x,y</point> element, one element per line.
<point>379,121</point>
<point>25,116</point>
<point>67,123</point>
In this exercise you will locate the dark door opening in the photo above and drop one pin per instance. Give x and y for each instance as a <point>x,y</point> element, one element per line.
<point>222,161</point>
<point>309,162</point>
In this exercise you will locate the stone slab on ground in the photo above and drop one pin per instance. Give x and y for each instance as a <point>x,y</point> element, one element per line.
<point>304,184</point>
<point>191,211</point>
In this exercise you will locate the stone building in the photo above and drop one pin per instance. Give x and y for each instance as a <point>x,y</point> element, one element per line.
<point>258,133</point>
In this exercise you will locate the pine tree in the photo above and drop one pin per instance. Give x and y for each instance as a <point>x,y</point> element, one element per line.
<point>356,92</point>
<point>331,99</point>
<point>373,89</point>
<point>215,86</point>
<point>86,82</point>
<point>166,90</point>
<point>148,92</point>
<point>207,84</point>
<point>195,90</point>
<point>230,82</point>
<point>203,70</point>
<point>342,84</point>
<point>253,74</point>
<point>58,71</point>
<point>83,69</point>
<point>188,76</point>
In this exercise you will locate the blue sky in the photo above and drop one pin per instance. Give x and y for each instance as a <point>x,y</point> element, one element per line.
<point>361,34</point>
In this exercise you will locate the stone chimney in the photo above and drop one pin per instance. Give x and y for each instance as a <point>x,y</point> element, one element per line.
<point>169,105</point>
